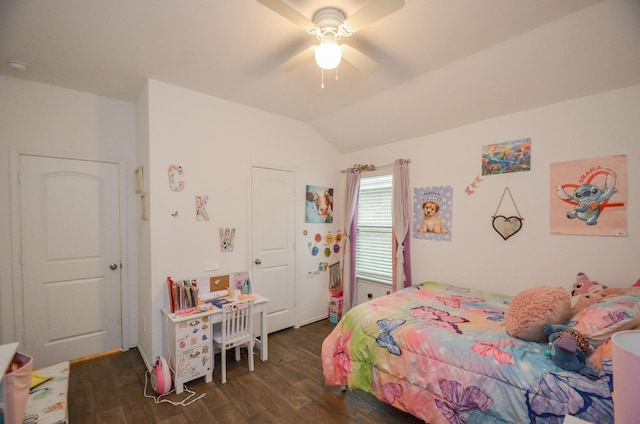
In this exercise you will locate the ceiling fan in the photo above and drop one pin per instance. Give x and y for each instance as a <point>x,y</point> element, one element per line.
<point>329,25</point>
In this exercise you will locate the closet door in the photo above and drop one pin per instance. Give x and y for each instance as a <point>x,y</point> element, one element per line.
<point>273,243</point>
<point>70,222</point>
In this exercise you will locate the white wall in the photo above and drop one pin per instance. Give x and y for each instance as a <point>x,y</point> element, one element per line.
<point>601,125</point>
<point>143,234</point>
<point>216,142</point>
<point>38,118</point>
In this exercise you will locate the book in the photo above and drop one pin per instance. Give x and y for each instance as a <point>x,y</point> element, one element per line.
<point>182,294</point>
<point>219,302</point>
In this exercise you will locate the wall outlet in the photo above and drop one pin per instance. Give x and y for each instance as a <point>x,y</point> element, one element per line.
<point>369,296</point>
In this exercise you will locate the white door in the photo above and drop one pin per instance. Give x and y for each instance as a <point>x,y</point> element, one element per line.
<point>70,257</point>
<point>273,243</point>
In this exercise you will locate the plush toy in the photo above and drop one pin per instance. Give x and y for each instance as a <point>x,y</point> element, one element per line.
<point>534,307</point>
<point>586,292</point>
<point>569,349</point>
<point>585,286</point>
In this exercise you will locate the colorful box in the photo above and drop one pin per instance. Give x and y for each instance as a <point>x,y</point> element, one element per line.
<point>336,304</point>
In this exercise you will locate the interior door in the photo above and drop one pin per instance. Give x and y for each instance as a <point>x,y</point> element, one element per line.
<point>273,243</point>
<point>70,223</point>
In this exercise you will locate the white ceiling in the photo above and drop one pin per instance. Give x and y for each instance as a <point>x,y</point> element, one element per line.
<point>443,63</point>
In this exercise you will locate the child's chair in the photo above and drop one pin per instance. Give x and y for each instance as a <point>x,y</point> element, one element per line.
<point>236,330</point>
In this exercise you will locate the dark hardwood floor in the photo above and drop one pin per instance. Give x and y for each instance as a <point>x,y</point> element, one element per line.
<point>288,388</point>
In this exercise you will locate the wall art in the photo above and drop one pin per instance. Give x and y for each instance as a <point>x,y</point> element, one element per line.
<point>174,183</point>
<point>432,213</point>
<point>227,235</point>
<point>507,157</point>
<point>506,226</point>
<point>319,205</point>
<point>589,196</point>
<point>471,188</point>
<point>201,208</point>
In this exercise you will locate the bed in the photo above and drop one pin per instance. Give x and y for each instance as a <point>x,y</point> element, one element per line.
<point>442,354</point>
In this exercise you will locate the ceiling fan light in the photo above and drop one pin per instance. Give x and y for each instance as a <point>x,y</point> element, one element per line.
<point>328,53</point>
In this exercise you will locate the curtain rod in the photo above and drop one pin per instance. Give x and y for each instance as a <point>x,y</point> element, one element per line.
<point>363,167</point>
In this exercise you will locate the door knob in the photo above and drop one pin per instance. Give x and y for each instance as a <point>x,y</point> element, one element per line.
<point>257,262</point>
<point>113,267</point>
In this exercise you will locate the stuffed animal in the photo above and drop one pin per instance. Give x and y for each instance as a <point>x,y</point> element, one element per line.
<point>586,292</point>
<point>585,286</point>
<point>569,349</point>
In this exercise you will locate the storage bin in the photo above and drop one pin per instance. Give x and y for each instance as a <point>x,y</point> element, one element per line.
<point>18,382</point>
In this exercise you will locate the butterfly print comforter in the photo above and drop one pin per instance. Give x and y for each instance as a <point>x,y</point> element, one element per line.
<point>442,353</point>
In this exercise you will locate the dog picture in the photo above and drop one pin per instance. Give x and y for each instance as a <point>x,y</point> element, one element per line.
<point>319,204</point>
<point>324,204</point>
<point>431,221</point>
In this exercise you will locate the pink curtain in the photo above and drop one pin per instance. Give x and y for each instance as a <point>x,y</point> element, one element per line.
<point>350,230</point>
<point>401,222</point>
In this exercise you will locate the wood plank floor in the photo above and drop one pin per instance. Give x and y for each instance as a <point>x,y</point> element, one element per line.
<point>288,388</point>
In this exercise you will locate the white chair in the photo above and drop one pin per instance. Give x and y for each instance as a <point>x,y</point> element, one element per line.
<point>236,330</point>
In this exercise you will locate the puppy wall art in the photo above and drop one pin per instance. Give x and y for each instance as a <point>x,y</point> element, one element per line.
<point>432,213</point>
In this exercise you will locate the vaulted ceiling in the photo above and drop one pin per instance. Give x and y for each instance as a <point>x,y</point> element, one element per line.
<point>443,63</point>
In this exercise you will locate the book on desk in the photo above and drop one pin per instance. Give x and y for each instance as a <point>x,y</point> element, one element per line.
<point>183,294</point>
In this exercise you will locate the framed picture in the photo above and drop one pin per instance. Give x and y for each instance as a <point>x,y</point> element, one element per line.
<point>319,205</point>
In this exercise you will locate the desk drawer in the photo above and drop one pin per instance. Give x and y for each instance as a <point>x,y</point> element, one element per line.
<point>194,362</point>
<point>194,331</point>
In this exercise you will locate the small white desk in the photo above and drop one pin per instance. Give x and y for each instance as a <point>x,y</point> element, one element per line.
<point>200,324</point>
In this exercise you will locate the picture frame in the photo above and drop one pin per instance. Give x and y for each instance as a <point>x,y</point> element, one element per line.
<point>319,205</point>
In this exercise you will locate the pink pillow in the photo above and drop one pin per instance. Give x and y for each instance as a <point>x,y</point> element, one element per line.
<point>531,309</point>
<point>600,321</point>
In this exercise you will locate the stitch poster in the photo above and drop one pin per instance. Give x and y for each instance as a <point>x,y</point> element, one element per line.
<point>589,197</point>
<point>432,213</point>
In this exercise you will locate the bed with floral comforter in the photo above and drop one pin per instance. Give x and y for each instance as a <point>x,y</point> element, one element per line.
<point>442,353</point>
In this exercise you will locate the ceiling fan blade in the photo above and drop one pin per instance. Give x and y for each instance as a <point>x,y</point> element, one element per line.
<point>358,59</point>
<point>297,59</point>
<point>375,10</point>
<point>288,12</point>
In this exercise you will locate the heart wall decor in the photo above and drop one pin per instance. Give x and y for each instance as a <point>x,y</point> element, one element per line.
<point>506,227</point>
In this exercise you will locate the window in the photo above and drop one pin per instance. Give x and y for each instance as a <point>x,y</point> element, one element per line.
<point>375,239</point>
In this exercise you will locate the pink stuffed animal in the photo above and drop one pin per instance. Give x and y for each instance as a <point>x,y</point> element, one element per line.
<point>586,292</point>
<point>585,286</point>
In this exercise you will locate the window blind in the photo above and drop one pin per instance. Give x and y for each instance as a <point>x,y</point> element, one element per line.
<point>374,245</point>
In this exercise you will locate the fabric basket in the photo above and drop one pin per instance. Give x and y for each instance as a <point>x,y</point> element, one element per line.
<point>18,383</point>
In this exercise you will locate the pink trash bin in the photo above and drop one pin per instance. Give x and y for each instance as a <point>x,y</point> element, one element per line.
<point>17,385</point>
